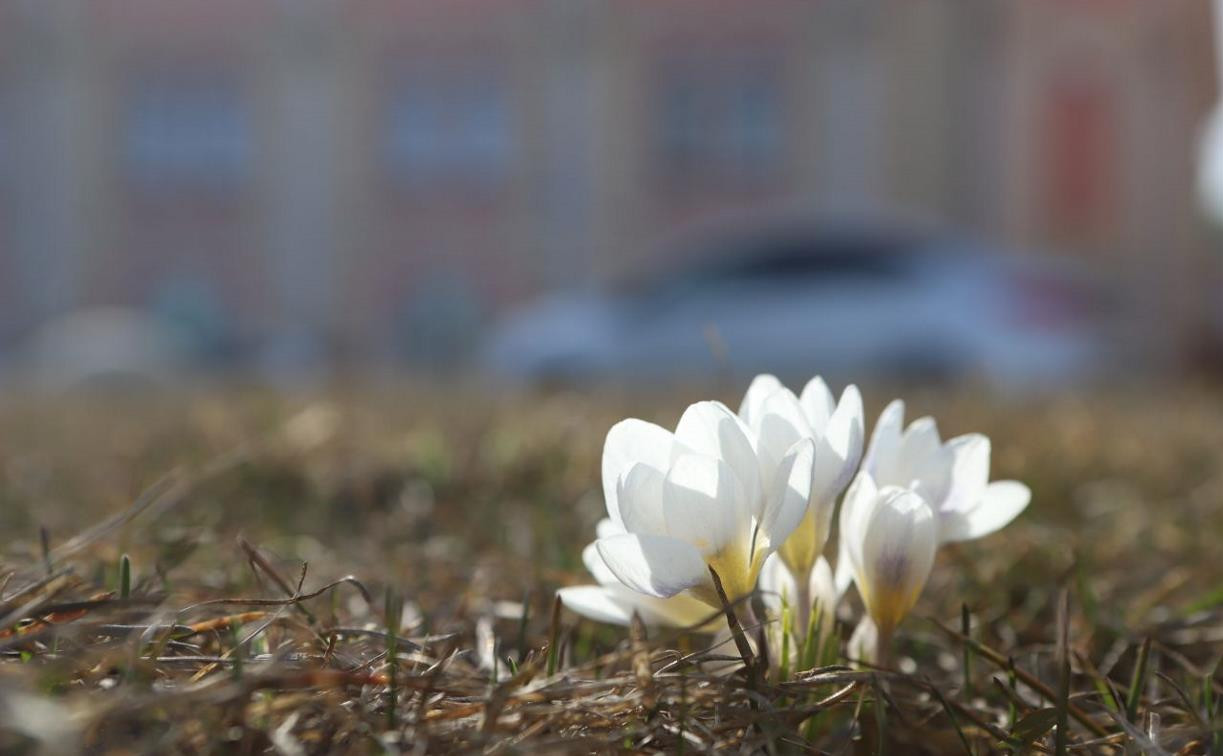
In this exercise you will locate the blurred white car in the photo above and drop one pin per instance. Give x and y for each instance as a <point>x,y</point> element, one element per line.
<point>851,303</point>
<point>102,347</point>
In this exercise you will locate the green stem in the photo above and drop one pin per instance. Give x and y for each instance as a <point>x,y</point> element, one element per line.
<point>802,603</point>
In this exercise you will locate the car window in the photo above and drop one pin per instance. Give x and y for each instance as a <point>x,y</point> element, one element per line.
<point>798,261</point>
<point>793,258</point>
<point>782,261</point>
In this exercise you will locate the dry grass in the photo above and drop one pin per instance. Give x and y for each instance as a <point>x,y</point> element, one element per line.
<point>273,540</point>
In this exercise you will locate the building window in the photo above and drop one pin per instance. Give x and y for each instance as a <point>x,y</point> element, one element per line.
<point>449,130</point>
<point>721,121</point>
<point>188,132</point>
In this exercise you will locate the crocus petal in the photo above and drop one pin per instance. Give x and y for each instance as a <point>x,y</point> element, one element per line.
<point>884,446</point>
<point>776,583</point>
<point>596,566</point>
<point>1002,502</point>
<point>922,433</point>
<point>640,494</point>
<point>843,575</point>
<point>896,555</point>
<point>607,527</point>
<point>784,404</point>
<point>825,595</point>
<point>922,463</point>
<point>596,603</point>
<point>969,473</point>
<point>847,424</point>
<point>863,643</point>
<point>920,443</point>
<point>823,585</point>
<point>790,494</point>
<point>615,605</point>
<point>679,611</point>
<point>710,428</point>
<point>778,425</point>
<point>817,403</point>
<point>777,589</point>
<point>630,442</point>
<point>654,565</point>
<point>759,390</point>
<point>856,510</point>
<point>704,503</point>
<point>840,448</point>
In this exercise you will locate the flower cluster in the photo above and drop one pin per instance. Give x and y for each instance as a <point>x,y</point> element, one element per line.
<point>751,497</point>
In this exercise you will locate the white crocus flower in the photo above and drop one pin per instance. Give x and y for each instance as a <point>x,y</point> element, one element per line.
<point>698,498</point>
<point>779,419</point>
<point>613,602</point>
<point>952,476</point>
<point>889,535</point>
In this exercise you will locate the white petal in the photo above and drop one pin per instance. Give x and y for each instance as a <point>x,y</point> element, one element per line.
<point>780,425</point>
<point>1003,501</point>
<point>856,510</point>
<point>848,417</point>
<point>790,494</point>
<point>896,554</point>
<point>920,441</point>
<point>884,447</point>
<point>969,472</point>
<point>759,390</point>
<point>923,463</point>
<point>616,604</point>
<point>640,497</point>
<point>704,503</point>
<point>817,403</point>
<point>630,442</point>
<point>654,565</point>
<point>596,603</point>
<point>785,404</point>
<point>823,585</point>
<point>678,611</point>
<point>864,641</point>
<point>712,429</point>
<point>825,595</point>
<point>607,527</point>
<point>843,576</point>
<point>596,566</point>
<point>777,588</point>
<point>776,583</point>
<point>840,448</point>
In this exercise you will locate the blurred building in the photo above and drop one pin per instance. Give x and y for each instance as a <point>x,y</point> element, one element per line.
<point>374,180</point>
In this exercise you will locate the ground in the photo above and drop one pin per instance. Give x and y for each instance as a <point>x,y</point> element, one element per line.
<point>215,570</point>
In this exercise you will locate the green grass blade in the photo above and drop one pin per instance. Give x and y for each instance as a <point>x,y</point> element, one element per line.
<point>1138,681</point>
<point>125,576</point>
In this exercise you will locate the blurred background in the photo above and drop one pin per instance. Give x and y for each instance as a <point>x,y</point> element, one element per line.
<point>541,192</point>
